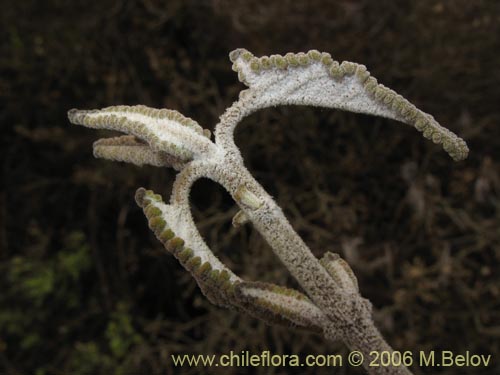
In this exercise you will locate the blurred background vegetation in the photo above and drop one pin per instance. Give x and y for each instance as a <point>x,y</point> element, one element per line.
<point>86,289</point>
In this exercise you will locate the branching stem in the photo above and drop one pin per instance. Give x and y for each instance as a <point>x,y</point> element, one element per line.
<point>163,137</point>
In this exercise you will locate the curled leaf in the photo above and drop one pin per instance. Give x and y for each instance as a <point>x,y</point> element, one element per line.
<point>214,279</point>
<point>316,79</point>
<point>340,271</point>
<point>128,148</point>
<point>162,129</point>
<point>276,304</point>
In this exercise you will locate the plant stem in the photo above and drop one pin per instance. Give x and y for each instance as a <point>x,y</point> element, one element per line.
<point>349,314</point>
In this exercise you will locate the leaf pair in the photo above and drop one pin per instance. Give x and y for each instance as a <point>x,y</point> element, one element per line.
<point>158,137</point>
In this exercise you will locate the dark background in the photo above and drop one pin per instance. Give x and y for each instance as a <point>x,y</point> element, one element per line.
<point>85,288</point>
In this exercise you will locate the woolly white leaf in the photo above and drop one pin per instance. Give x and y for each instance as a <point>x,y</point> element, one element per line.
<point>341,272</point>
<point>315,79</point>
<point>170,222</point>
<point>164,130</point>
<point>274,303</point>
<point>130,149</point>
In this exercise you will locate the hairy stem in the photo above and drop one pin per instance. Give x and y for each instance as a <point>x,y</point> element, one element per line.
<point>367,339</point>
<point>349,314</point>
